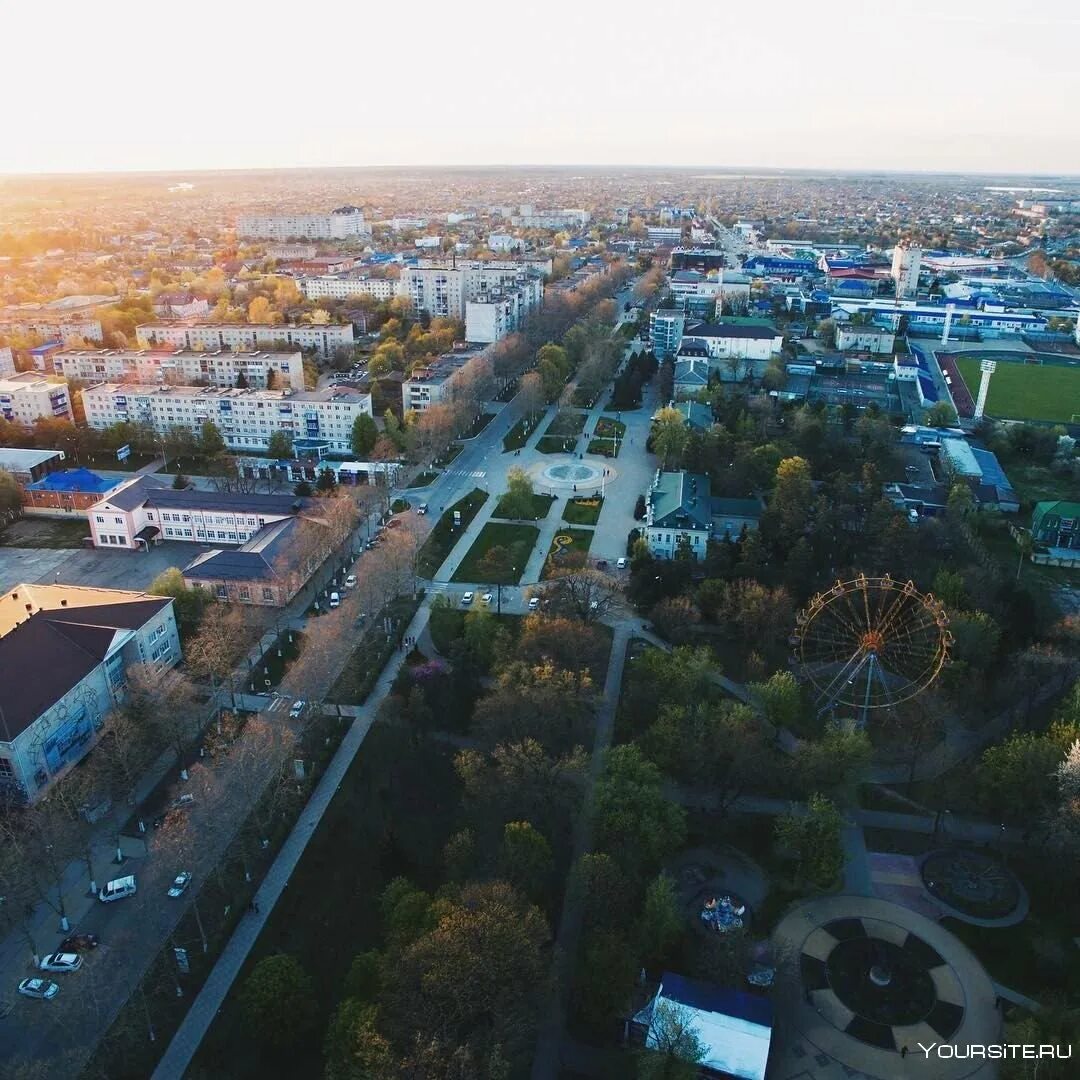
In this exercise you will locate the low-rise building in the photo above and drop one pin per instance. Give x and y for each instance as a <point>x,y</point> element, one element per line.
<point>245,418</point>
<point>505,242</point>
<point>748,339</point>
<point>261,369</point>
<point>28,396</point>
<point>68,651</point>
<point>29,466</point>
<point>664,234</point>
<point>323,339</point>
<point>691,375</point>
<point>1057,525</point>
<point>681,516</point>
<point>180,306</point>
<point>874,339</point>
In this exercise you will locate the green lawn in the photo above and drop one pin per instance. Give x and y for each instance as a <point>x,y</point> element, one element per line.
<point>519,434</point>
<point>444,536</point>
<point>604,448</point>
<point>580,539</point>
<point>519,541</point>
<point>41,532</point>
<point>555,444</point>
<point>566,422</point>
<point>582,511</point>
<point>1027,391</point>
<point>541,504</point>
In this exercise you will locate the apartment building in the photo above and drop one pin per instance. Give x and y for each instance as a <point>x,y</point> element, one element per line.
<point>285,252</point>
<point>339,224</point>
<point>7,362</point>
<point>906,264</point>
<point>184,367</point>
<point>343,287</point>
<point>444,289</point>
<point>71,648</point>
<point>493,315</point>
<point>28,396</point>
<point>434,384</point>
<point>323,340</point>
<point>316,419</point>
<point>529,217</point>
<point>71,330</point>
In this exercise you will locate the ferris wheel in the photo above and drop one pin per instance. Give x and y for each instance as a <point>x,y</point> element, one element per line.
<point>870,643</point>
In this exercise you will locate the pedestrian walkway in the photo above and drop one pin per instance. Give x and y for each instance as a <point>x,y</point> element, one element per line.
<point>185,1043</point>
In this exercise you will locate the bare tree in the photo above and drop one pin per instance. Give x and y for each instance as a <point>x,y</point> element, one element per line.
<point>580,593</point>
<point>218,646</point>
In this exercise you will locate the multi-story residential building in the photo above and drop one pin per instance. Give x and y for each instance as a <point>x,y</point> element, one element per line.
<point>28,396</point>
<point>286,252</point>
<point>703,259</point>
<point>666,325</point>
<point>434,383</point>
<point>339,224</point>
<point>342,287</point>
<point>324,339</point>
<point>443,289</point>
<point>874,339</point>
<point>493,315</point>
<point>7,362</point>
<point>504,242</point>
<point>316,419</point>
<point>68,650</point>
<point>906,263</point>
<point>261,369</point>
<point>664,234</point>
<point>71,330</point>
<point>531,218</point>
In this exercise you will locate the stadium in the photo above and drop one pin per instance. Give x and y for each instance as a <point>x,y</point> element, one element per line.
<point>1025,386</point>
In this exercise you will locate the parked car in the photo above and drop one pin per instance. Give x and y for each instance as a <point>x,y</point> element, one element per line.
<point>297,709</point>
<point>422,509</point>
<point>76,941</point>
<point>466,599</point>
<point>621,564</point>
<point>61,961</point>
<point>39,988</point>
<point>180,884</point>
<point>486,598</point>
<point>350,582</point>
<point>117,889</point>
<point>335,600</point>
<point>534,603</point>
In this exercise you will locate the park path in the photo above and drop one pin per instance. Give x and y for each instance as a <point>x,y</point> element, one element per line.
<point>211,997</point>
<point>546,1061</point>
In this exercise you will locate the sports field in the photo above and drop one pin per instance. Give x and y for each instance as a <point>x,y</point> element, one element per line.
<point>1026,391</point>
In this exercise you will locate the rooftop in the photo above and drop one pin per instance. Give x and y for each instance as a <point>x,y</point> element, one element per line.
<point>145,491</point>
<point>229,393</point>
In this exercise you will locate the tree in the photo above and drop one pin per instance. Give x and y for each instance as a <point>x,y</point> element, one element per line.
<point>941,414</point>
<point>826,333</point>
<point>280,445</point>
<point>214,651</point>
<point>354,1047</point>
<point>673,1049</point>
<point>495,566</point>
<point>364,436</point>
<point>1016,778</point>
<point>261,313</point>
<point>188,603</point>
<point>835,763</point>
<point>525,859</point>
<point>10,494</point>
<point>780,698</point>
<point>793,493</point>
<point>568,643</point>
<point>211,441</point>
<point>326,481</point>
<point>669,437</point>
<point>811,840</point>
<point>635,821</point>
<point>518,500</point>
<point>661,923</point>
<point>278,1000</point>
<point>531,393</point>
<point>583,594</point>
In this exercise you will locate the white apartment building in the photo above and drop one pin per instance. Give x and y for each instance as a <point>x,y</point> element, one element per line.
<point>285,252</point>
<point>342,287</point>
<point>493,315</point>
<point>324,340</point>
<point>906,263</point>
<point>28,396</point>
<point>75,330</point>
<point>222,367</point>
<point>443,289</point>
<point>434,384</point>
<point>531,218</point>
<point>504,242</point>
<point>7,362</point>
<point>664,234</point>
<point>317,419</point>
<point>339,224</point>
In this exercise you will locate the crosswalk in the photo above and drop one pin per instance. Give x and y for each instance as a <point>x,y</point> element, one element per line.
<point>475,474</point>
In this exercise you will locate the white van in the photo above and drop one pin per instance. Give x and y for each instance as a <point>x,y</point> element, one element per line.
<point>117,889</point>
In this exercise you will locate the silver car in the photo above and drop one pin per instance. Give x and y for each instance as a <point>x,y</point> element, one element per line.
<point>180,884</point>
<point>61,961</point>
<point>39,988</point>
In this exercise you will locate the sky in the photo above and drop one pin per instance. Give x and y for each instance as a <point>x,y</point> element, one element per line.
<point>950,85</point>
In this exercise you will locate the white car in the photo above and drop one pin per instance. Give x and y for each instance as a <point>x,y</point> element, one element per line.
<point>620,564</point>
<point>297,709</point>
<point>335,600</point>
<point>350,582</point>
<point>422,509</point>
<point>466,599</point>
<point>486,598</point>
<point>180,884</point>
<point>39,988</point>
<point>534,603</point>
<point>61,961</point>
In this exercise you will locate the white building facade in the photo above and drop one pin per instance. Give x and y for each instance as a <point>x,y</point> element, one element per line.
<point>7,362</point>
<point>245,418</point>
<point>71,331</point>
<point>906,264</point>
<point>341,288</point>
<point>28,396</point>
<point>340,224</point>
<point>324,340</point>
<point>443,289</point>
<point>493,315</point>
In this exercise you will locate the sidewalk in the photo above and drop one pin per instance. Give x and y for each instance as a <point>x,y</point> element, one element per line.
<point>211,997</point>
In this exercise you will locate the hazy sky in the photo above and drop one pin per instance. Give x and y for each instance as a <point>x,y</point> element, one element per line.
<point>914,84</point>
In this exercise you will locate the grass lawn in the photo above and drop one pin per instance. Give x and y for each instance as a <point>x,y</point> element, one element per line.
<point>582,511</point>
<point>609,429</point>
<point>372,651</point>
<point>452,452</point>
<point>40,532</point>
<point>566,422</point>
<point>478,425</point>
<point>424,479</point>
<point>445,535</point>
<point>519,541</point>
<point>554,444</point>
<point>604,447</point>
<point>519,434</point>
<point>541,504</point>
<point>580,539</point>
<point>272,667</point>
<point>1027,391</point>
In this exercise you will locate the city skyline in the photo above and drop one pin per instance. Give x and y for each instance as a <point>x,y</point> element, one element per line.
<point>976,88</point>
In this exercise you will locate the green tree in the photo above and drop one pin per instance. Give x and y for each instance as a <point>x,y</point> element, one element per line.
<point>280,445</point>
<point>10,494</point>
<point>354,1047</point>
<point>278,1001</point>
<point>669,437</point>
<point>661,923</point>
<point>518,500</point>
<point>1016,778</point>
<point>811,841</point>
<point>780,697</point>
<point>825,332</point>
<point>188,605</point>
<point>604,977</point>
<point>365,434</point>
<point>211,441</point>
<point>793,493</point>
<point>940,414</point>
<point>635,821</point>
<point>525,859</point>
<point>674,1050</point>
<point>326,480</point>
<point>835,763</point>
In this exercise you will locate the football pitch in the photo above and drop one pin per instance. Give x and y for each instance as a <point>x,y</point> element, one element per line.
<point>1026,391</point>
